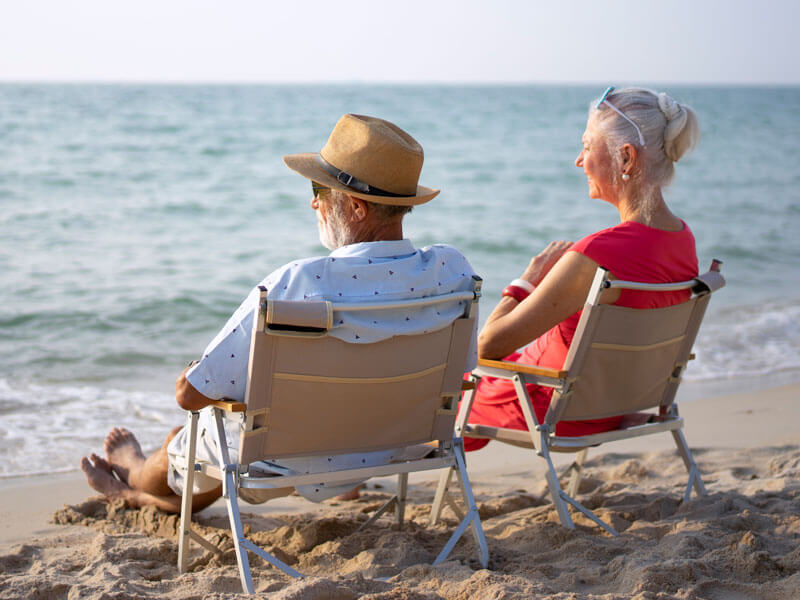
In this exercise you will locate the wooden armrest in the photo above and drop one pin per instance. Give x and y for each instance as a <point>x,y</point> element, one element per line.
<point>467,385</point>
<point>521,368</point>
<point>229,405</point>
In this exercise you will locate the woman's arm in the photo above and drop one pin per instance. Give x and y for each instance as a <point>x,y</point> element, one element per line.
<point>560,294</point>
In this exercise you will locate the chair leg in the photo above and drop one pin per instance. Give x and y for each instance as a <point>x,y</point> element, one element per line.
<point>471,519</point>
<point>577,471</point>
<point>439,497</point>
<point>402,492</point>
<point>184,533</point>
<point>555,489</point>
<point>472,508</point>
<point>442,495</point>
<point>230,492</point>
<point>691,467</point>
<point>232,502</point>
<point>555,494</point>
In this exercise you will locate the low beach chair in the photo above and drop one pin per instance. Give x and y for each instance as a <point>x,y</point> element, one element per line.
<point>310,394</point>
<point>621,361</point>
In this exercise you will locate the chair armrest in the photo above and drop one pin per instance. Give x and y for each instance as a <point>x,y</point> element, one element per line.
<point>521,368</point>
<point>467,385</point>
<point>229,405</point>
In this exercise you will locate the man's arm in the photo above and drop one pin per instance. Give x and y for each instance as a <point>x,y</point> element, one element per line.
<point>187,397</point>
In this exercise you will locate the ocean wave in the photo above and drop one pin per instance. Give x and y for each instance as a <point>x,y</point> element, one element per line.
<point>48,428</point>
<point>747,341</point>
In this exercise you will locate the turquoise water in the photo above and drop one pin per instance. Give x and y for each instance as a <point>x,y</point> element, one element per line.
<point>135,219</point>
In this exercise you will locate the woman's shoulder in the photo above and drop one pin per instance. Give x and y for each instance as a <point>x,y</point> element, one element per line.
<point>632,230</point>
<point>610,235</point>
<point>630,236</point>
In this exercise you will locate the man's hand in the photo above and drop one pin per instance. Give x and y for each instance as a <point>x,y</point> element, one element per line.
<point>187,397</point>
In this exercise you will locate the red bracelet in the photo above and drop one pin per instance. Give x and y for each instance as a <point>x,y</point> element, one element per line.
<point>516,292</point>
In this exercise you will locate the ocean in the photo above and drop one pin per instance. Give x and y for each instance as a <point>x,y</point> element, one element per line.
<point>135,218</point>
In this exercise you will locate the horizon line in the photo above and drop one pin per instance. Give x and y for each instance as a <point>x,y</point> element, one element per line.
<point>410,83</point>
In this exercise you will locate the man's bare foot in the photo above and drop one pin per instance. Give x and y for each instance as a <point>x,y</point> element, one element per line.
<point>101,463</point>
<point>123,453</point>
<point>103,481</point>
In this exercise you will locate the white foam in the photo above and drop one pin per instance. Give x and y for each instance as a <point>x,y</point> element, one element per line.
<point>747,341</point>
<point>48,428</point>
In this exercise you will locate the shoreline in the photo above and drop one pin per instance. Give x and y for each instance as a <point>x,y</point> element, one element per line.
<point>727,420</point>
<point>739,541</point>
<point>689,393</point>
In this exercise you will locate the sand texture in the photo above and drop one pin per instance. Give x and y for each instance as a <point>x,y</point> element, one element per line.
<point>742,541</point>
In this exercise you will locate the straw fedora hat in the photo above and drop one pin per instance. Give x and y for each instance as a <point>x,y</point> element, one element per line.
<point>368,158</point>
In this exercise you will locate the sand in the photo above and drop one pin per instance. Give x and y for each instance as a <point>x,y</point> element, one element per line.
<point>742,541</point>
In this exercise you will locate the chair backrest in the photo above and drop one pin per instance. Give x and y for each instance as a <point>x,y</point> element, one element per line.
<point>624,360</point>
<point>310,393</point>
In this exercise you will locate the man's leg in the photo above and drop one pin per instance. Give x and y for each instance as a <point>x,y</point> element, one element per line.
<point>143,479</point>
<point>147,474</point>
<point>101,478</point>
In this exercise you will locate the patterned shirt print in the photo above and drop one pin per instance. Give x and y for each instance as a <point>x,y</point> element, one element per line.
<point>365,272</point>
<point>392,270</point>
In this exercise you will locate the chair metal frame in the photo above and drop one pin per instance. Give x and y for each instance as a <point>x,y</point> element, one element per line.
<point>236,474</point>
<point>541,437</point>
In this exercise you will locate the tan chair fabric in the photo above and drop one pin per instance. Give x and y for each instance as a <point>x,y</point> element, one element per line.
<point>626,363</point>
<point>621,361</point>
<point>320,395</point>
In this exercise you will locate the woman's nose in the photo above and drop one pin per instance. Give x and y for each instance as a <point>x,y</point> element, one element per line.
<point>579,159</point>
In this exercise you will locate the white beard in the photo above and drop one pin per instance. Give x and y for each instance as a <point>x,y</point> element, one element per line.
<point>329,235</point>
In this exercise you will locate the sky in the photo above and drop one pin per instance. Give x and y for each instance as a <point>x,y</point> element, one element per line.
<point>515,41</point>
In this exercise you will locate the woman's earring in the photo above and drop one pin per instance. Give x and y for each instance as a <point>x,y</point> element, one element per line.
<point>625,177</point>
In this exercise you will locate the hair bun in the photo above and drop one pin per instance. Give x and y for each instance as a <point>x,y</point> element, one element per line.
<point>668,106</point>
<point>681,132</point>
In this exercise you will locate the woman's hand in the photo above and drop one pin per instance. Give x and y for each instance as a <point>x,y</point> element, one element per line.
<point>541,264</point>
<point>560,294</point>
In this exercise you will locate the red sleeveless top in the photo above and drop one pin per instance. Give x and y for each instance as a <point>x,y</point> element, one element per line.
<point>631,251</point>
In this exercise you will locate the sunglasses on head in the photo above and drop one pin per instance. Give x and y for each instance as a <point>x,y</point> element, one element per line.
<point>604,100</point>
<point>319,189</point>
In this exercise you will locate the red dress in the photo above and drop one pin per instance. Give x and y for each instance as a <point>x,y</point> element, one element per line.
<point>631,251</point>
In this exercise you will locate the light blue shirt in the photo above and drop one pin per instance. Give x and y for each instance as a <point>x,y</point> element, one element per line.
<point>365,272</point>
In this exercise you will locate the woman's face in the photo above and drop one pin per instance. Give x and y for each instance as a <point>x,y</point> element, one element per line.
<point>596,163</point>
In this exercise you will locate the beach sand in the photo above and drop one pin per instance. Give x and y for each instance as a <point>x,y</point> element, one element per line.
<point>742,541</point>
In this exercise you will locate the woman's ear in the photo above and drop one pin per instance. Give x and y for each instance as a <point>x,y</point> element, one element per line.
<point>629,155</point>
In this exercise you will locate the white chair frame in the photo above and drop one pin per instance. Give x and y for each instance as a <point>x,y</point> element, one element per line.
<point>449,454</point>
<point>541,437</point>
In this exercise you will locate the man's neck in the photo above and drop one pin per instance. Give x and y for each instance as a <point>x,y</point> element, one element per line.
<point>384,232</point>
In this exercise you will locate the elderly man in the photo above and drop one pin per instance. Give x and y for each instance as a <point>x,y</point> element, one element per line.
<point>364,182</point>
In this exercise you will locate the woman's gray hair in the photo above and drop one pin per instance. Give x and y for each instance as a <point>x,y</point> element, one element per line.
<point>670,131</point>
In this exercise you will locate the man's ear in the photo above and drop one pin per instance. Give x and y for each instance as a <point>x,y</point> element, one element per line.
<point>358,208</point>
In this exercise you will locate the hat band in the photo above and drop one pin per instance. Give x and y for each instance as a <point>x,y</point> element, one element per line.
<point>348,180</point>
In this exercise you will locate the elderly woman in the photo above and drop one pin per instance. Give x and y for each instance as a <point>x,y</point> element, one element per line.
<point>632,140</point>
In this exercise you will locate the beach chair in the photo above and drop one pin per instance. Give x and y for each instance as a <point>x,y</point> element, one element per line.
<point>310,394</point>
<point>621,361</point>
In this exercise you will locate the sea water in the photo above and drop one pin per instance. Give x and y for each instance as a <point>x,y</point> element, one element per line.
<point>135,218</point>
